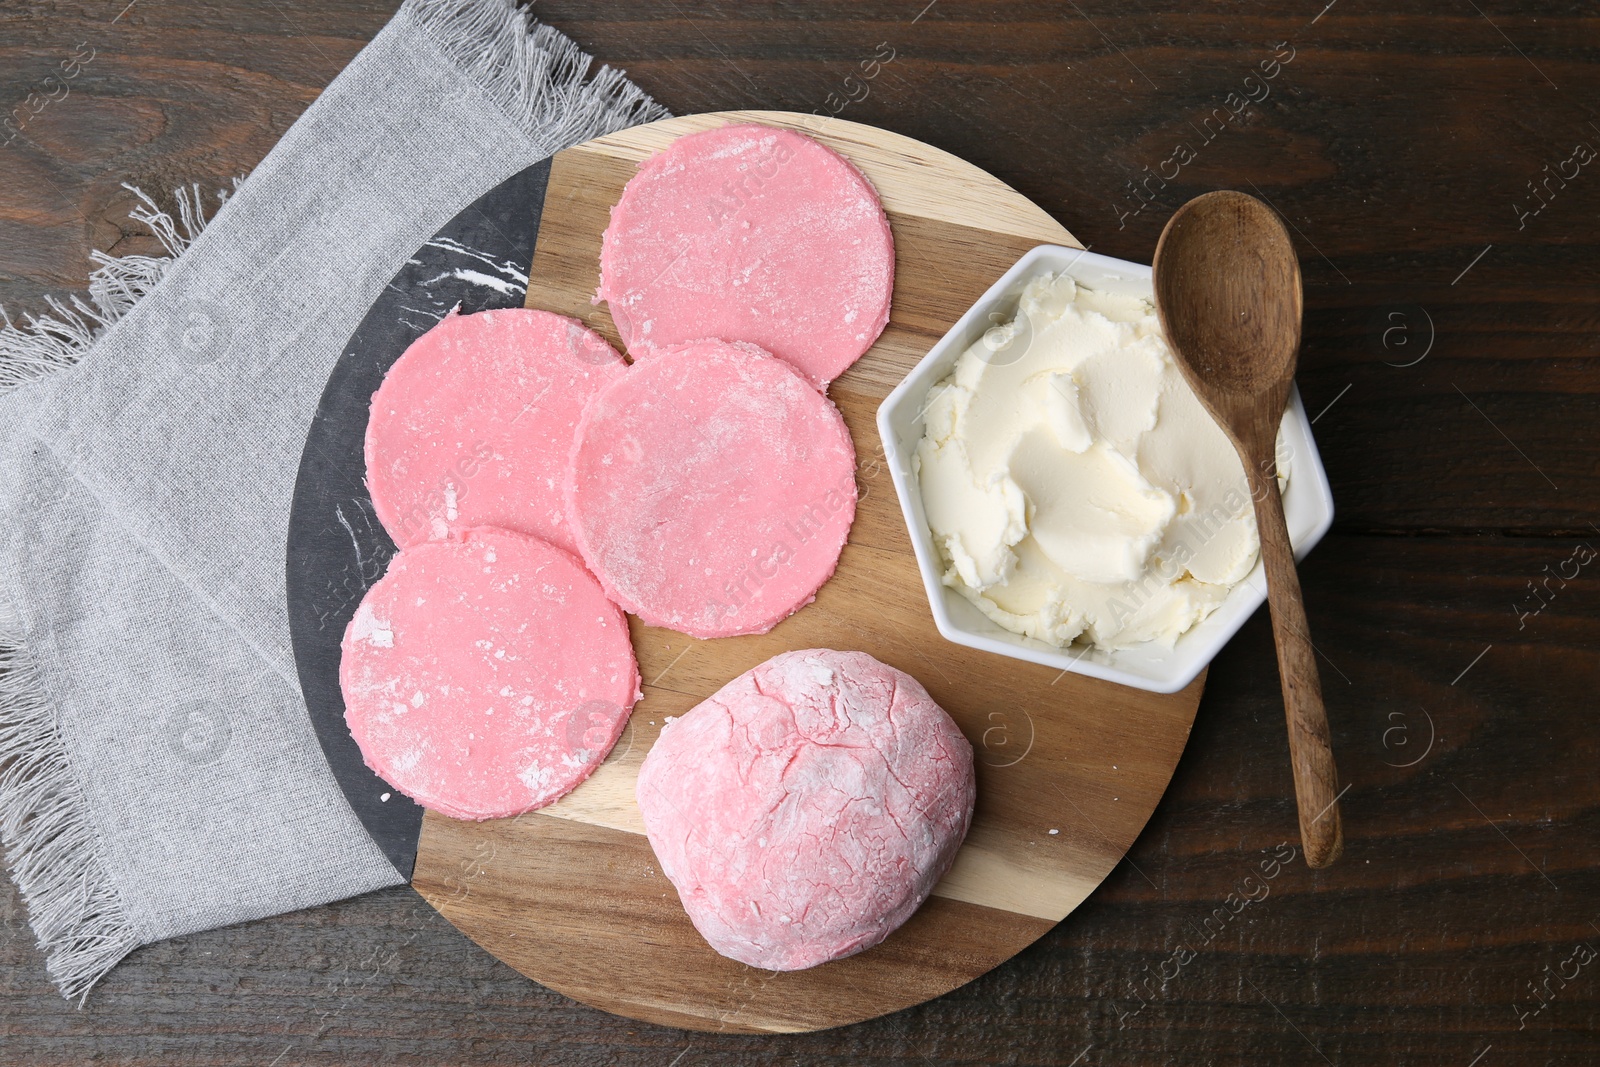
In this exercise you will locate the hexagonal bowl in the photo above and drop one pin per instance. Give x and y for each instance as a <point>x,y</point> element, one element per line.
<point>1307,501</point>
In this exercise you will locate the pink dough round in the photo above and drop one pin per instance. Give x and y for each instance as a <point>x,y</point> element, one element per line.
<point>807,808</point>
<point>755,234</point>
<point>486,676</point>
<point>711,489</point>
<point>473,425</point>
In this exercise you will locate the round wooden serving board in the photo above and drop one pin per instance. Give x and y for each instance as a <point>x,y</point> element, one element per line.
<point>1069,768</point>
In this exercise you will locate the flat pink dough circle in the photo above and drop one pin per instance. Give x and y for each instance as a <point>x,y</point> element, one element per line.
<point>808,807</point>
<point>486,676</point>
<point>711,489</point>
<point>750,233</point>
<point>473,424</point>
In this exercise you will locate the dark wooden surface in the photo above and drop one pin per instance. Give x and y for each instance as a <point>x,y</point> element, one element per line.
<point>1399,142</point>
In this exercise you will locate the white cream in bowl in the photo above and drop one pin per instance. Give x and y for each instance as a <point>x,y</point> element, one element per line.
<point>1073,484</point>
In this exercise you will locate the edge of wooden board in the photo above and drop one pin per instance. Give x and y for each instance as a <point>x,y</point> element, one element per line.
<point>911,177</point>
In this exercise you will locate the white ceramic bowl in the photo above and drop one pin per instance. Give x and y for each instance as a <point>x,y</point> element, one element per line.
<point>1308,502</point>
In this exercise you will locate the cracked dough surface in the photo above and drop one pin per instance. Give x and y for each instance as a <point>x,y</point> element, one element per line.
<point>808,807</point>
<point>750,233</point>
<point>473,424</point>
<point>487,675</point>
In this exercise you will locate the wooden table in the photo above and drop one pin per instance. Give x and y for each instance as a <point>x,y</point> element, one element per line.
<point>1452,357</point>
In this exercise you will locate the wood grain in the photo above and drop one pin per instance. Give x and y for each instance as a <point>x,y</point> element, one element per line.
<point>1396,142</point>
<point>619,939</point>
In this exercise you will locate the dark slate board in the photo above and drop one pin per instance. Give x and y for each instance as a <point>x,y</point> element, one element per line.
<point>337,549</point>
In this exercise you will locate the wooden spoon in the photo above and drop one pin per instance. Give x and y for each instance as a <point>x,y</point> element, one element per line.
<point>1227,287</point>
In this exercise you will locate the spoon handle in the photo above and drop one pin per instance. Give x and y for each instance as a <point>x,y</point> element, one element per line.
<point>1316,780</point>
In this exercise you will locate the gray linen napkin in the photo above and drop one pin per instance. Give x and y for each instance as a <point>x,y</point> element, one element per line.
<point>158,772</point>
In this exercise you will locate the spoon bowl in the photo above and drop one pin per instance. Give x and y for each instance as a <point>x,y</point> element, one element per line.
<point>1219,256</point>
